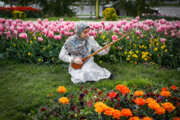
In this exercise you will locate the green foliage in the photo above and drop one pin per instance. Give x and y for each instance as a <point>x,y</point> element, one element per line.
<point>110,14</point>
<point>27,86</point>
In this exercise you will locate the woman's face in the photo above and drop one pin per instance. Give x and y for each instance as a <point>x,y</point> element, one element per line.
<point>85,33</point>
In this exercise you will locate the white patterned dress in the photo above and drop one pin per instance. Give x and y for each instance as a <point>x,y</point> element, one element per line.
<point>90,71</point>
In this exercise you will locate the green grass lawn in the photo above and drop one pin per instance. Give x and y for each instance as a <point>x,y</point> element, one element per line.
<point>24,87</point>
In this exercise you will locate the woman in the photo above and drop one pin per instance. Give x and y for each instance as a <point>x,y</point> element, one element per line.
<point>79,46</point>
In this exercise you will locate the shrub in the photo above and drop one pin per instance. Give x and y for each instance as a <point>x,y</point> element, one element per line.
<point>110,14</point>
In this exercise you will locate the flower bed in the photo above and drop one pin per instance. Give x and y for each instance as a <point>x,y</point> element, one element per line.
<point>29,11</point>
<point>122,103</point>
<point>40,41</point>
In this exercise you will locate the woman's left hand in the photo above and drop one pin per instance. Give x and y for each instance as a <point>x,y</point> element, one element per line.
<point>107,49</point>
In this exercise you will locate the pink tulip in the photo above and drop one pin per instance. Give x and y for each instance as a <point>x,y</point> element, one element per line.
<point>40,39</point>
<point>114,37</point>
<point>23,35</point>
<point>127,38</point>
<point>142,36</point>
<point>100,32</point>
<point>51,34</point>
<point>116,30</point>
<point>162,40</point>
<point>57,37</point>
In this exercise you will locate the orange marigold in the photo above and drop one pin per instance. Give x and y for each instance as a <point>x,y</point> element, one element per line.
<point>100,107</point>
<point>126,112</point>
<point>108,111</point>
<point>147,118</point>
<point>168,106</point>
<point>61,89</point>
<point>64,100</point>
<point>112,95</point>
<point>139,101</point>
<point>116,114</point>
<point>134,118</point>
<point>160,110</point>
<point>164,89</point>
<point>138,93</point>
<point>123,89</point>
<point>174,87</point>
<point>176,118</point>
<point>148,100</point>
<point>153,105</point>
<point>165,94</point>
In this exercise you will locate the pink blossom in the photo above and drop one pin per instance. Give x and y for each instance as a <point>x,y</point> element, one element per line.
<point>120,33</point>
<point>127,38</point>
<point>50,34</point>
<point>173,34</point>
<point>162,40</point>
<point>142,36</point>
<point>138,32</point>
<point>40,39</point>
<point>100,32</point>
<point>23,35</point>
<point>66,33</point>
<point>138,18</point>
<point>57,37</point>
<point>116,30</point>
<point>114,37</point>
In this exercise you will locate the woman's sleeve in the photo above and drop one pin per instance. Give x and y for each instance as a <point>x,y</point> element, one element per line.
<point>95,46</point>
<point>64,55</point>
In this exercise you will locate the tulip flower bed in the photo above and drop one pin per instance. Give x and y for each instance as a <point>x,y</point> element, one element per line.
<point>156,16</point>
<point>29,11</point>
<point>40,41</point>
<point>152,103</point>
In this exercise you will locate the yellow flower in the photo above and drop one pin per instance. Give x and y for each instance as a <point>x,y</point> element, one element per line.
<point>31,41</point>
<point>127,58</point>
<point>137,51</point>
<point>157,44</point>
<point>29,53</point>
<point>34,38</point>
<point>155,48</point>
<point>53,58</point>
<point>103,37</point>
<point>39,59</point>
<point>14,45</point>
<point>135,56</point>
<point>48,46</point>
<point>135,62</point>
<point>165,50</point>
<point>149,45</point>
<point>145,59</point>
<point>125,52</point>
<point>130,43</point>
<point>133,36</point>
<point>64,100</point>
<point>44,48</point>
<point>130,52</point>
<point>143,56</point>
<point>138,37</point>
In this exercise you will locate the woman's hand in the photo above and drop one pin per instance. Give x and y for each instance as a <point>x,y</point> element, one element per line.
<point>107,49</point>
<point>77,60</point>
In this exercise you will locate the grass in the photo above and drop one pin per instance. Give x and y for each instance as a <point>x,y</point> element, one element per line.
<point>24,87</point>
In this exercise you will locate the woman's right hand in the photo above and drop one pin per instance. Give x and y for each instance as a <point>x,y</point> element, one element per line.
<point>78,60</point>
